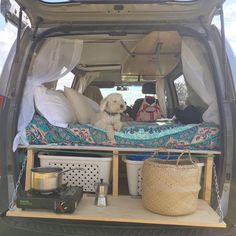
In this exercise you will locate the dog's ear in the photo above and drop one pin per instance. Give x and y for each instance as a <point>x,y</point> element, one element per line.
<point>103,104</point>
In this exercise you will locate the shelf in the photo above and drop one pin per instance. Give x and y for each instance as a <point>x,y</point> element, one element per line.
<point>129,210</point>
<point>208,161</point>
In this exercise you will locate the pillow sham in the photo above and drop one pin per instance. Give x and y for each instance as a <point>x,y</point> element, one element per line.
<point>54,106</point>
<point>95,106</point>
<point>81,105</point>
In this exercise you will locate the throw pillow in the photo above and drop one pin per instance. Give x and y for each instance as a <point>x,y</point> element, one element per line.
<point>81,105</point>
<point>54,106</point>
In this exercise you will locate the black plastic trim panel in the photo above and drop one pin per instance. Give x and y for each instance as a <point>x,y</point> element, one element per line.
<point>45,227</point>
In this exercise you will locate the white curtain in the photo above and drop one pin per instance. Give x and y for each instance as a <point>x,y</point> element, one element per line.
<point>198,75</point>
<point>56,58</point>
<point>160,91</point>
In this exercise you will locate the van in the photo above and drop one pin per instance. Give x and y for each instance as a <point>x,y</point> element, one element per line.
<point>167,50</point>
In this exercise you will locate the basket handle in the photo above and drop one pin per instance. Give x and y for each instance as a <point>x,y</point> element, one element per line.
<point>168,155</point>
<point>154,154</point>
<point>181,155</point>
<point>160,150</point>
<point>157,151</point>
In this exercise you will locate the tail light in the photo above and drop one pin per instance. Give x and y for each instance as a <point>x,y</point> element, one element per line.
<point>1,101</point>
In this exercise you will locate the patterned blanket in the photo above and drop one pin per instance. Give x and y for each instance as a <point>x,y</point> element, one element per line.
<point>204,136</point>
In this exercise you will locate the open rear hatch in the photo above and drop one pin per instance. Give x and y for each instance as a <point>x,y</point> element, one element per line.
<point>48,13</point>
<point>43,14</point>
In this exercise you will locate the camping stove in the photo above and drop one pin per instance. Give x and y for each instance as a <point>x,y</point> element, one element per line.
<point>63,200</point>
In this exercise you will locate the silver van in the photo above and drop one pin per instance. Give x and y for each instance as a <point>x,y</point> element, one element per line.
<point>166,50</point>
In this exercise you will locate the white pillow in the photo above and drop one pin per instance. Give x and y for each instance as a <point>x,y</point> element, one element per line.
<point>93,104</point>
<point>81,105</point>
<point>54,106</point>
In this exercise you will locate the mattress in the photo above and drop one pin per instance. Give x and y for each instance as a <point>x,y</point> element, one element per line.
<point>203,136</point>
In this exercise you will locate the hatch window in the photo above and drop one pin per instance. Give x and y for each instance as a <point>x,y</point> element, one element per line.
<point>65,81</point>
<point>181,90</point>
<point>130,93</point>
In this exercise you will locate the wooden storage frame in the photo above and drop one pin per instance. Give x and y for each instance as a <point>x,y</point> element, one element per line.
<point>125,208</point>
<point>208,162</point>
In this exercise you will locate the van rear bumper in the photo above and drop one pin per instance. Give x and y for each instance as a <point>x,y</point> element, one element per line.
<point>14,226</point>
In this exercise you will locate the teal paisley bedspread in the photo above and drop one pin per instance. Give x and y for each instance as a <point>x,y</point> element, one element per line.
<point>204,136</point>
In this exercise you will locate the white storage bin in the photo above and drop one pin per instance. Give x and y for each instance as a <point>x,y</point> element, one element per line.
<point>200,165</point>
<point>95,168</point>
<point>134,176</point>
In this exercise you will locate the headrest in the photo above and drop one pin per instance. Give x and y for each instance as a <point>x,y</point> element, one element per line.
<point>149,88</point>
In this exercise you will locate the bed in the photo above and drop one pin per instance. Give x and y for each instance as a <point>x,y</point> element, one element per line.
<point>203,136</point>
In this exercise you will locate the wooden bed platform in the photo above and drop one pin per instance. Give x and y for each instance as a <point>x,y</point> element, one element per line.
<point>129,210</point>
<point>125,208</point>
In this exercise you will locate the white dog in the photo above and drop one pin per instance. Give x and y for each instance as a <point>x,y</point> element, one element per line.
<point>109,116</point>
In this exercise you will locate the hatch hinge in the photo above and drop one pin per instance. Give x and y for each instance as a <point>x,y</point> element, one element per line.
<point>6,12</point>
<point>10,9</point>
<point>5,7</point>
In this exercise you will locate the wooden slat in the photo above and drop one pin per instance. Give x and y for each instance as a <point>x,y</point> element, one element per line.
<point>207,184</point>
<point>130,210</point>
<point>120,149</point>
<point>115,173</point>
<point>29,166</point>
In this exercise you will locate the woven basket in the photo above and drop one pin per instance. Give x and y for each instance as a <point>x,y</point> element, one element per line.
<point>170,187</point>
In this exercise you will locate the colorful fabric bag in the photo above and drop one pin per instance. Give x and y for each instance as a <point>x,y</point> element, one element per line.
<point>148,112</point>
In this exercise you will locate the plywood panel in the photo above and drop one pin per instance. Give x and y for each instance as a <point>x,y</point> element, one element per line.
<point>115,173</point>
<point>127,209</point>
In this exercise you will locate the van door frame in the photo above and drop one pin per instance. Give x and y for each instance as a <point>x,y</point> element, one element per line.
<point>20,69</point>
<point>13,84</point>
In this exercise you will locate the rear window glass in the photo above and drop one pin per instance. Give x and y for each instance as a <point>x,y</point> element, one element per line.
<point>65,81</point>
<point>129,93</point>
<point>181,90</point>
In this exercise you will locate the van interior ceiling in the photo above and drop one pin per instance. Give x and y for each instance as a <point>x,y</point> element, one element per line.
<point>158,51</point>
<point>151,57</point>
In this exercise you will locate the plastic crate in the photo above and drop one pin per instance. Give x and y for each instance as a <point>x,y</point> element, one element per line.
<point>95,168</point>
<point>134,176</point>
<point>134,164</point>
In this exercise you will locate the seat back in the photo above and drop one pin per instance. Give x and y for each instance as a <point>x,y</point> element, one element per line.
<point>147,88</point>
<point>94,93</point>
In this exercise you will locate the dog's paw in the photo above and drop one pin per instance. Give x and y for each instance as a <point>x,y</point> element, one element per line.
<point>112,142</point>
<point>110,135</point>
<point>117,126</point>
